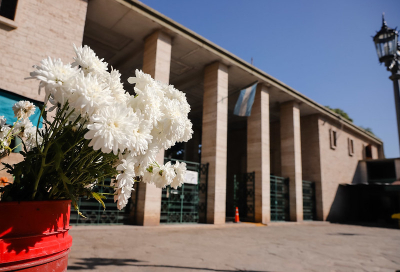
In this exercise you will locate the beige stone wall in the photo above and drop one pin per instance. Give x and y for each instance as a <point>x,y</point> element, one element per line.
<point>311,157</point>
<point>44,28</point>
<point>337,166</point>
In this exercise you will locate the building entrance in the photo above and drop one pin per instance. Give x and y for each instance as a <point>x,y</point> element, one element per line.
<point>243,196</point>
<point>279,198</point>
<point>309,211</point>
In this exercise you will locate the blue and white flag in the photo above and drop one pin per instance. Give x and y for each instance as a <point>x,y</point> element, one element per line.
<point>245,101</point>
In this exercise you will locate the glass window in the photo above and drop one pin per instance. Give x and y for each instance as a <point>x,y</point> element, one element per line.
<point>8,8</point>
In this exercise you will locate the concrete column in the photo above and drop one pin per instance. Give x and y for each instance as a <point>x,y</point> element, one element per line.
<point>291,156</point>
<point>311,157</point>
<point>364,172</point>
<point>258,153</point>
<point>157,63</point>
<point>214,138</point>
<point>397,168</point>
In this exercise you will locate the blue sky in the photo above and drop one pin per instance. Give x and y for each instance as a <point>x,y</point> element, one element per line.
<point>323,49</point>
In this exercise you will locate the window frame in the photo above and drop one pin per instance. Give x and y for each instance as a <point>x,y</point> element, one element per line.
<point>350,143</point>
<point>333,138</point>
<point>11,23</point>
<point>368,151</point>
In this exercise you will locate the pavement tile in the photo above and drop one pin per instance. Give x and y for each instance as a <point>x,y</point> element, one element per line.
<point>312,246</point>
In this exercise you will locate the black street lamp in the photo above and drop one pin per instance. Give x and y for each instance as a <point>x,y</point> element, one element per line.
<point>388,49</point>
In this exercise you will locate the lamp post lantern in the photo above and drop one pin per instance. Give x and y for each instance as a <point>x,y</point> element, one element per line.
<point>388,50</point>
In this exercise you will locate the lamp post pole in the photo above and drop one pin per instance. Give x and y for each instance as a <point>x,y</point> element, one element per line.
<point>395,77</point>
<point>388,50</point>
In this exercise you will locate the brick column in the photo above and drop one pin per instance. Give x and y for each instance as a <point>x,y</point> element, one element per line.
<point>214,139</point>
<point>258,153</point>
<point>291,156</point>
<point>156,62</point>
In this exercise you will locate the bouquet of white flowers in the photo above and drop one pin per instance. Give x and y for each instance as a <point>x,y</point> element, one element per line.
<point>98,131</point>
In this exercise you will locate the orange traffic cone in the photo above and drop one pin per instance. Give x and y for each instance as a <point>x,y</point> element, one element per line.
<point>237,215</point>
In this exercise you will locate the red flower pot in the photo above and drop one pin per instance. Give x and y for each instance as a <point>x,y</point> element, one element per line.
<point>34,235</point>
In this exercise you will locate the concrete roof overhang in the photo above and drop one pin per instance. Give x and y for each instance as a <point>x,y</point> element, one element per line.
<point>116,30</point>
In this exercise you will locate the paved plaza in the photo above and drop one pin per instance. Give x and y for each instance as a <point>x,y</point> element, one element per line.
<point>316,246</point>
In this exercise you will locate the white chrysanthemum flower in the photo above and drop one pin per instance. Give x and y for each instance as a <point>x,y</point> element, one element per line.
<point>145,160</point>
<point>22,127</point>
<point>113,80</point>
<point>4,133</point>
<point>122,196</point>
<point>31,137</point>
<point>141,80</point>
<point>3,121</point>
<point>90,95</point>
<point>148,97</point>
<point>173,94</point>
<point>56,78</point>
<point>147,176</point>
<point>23,109</point>
<point>110,128</point>
<point>124,182</point>
<point>188,132</point>
<point>5,140</point>
<point>59,96</point>
<point>160,176</point>
<point>180,171</point>
<point>168,174</point>
<point>172,126</point>
<point>126,173</point>
<point>88,61</point>
<point>140,137</point>
<point>148,101</point>
<point>4,130</point>
<point>54,72</point>
<point>3,145</point>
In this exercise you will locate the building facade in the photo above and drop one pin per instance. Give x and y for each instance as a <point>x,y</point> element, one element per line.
<point>287,135</point>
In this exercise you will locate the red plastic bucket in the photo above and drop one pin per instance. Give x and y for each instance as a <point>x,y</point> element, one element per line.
<point>34,235</point>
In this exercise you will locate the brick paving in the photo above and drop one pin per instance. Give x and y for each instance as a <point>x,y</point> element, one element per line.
<point>317,246</point>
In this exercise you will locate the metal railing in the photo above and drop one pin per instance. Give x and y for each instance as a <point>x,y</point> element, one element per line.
<point>279,187</point>
<point>95,213</point>
<point>188,203</point>
<point>309,211</point>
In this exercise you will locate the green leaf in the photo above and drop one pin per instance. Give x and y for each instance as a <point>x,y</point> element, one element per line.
<point>44,115</point>
<point>67,184</point>
<point>99,198</point>
<point>63,177</point>
<point>59,156</point>
<point>75,204</point>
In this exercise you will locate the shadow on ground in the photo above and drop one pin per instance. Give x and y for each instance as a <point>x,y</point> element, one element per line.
<point>94,263</point>
<point>344,234</point>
